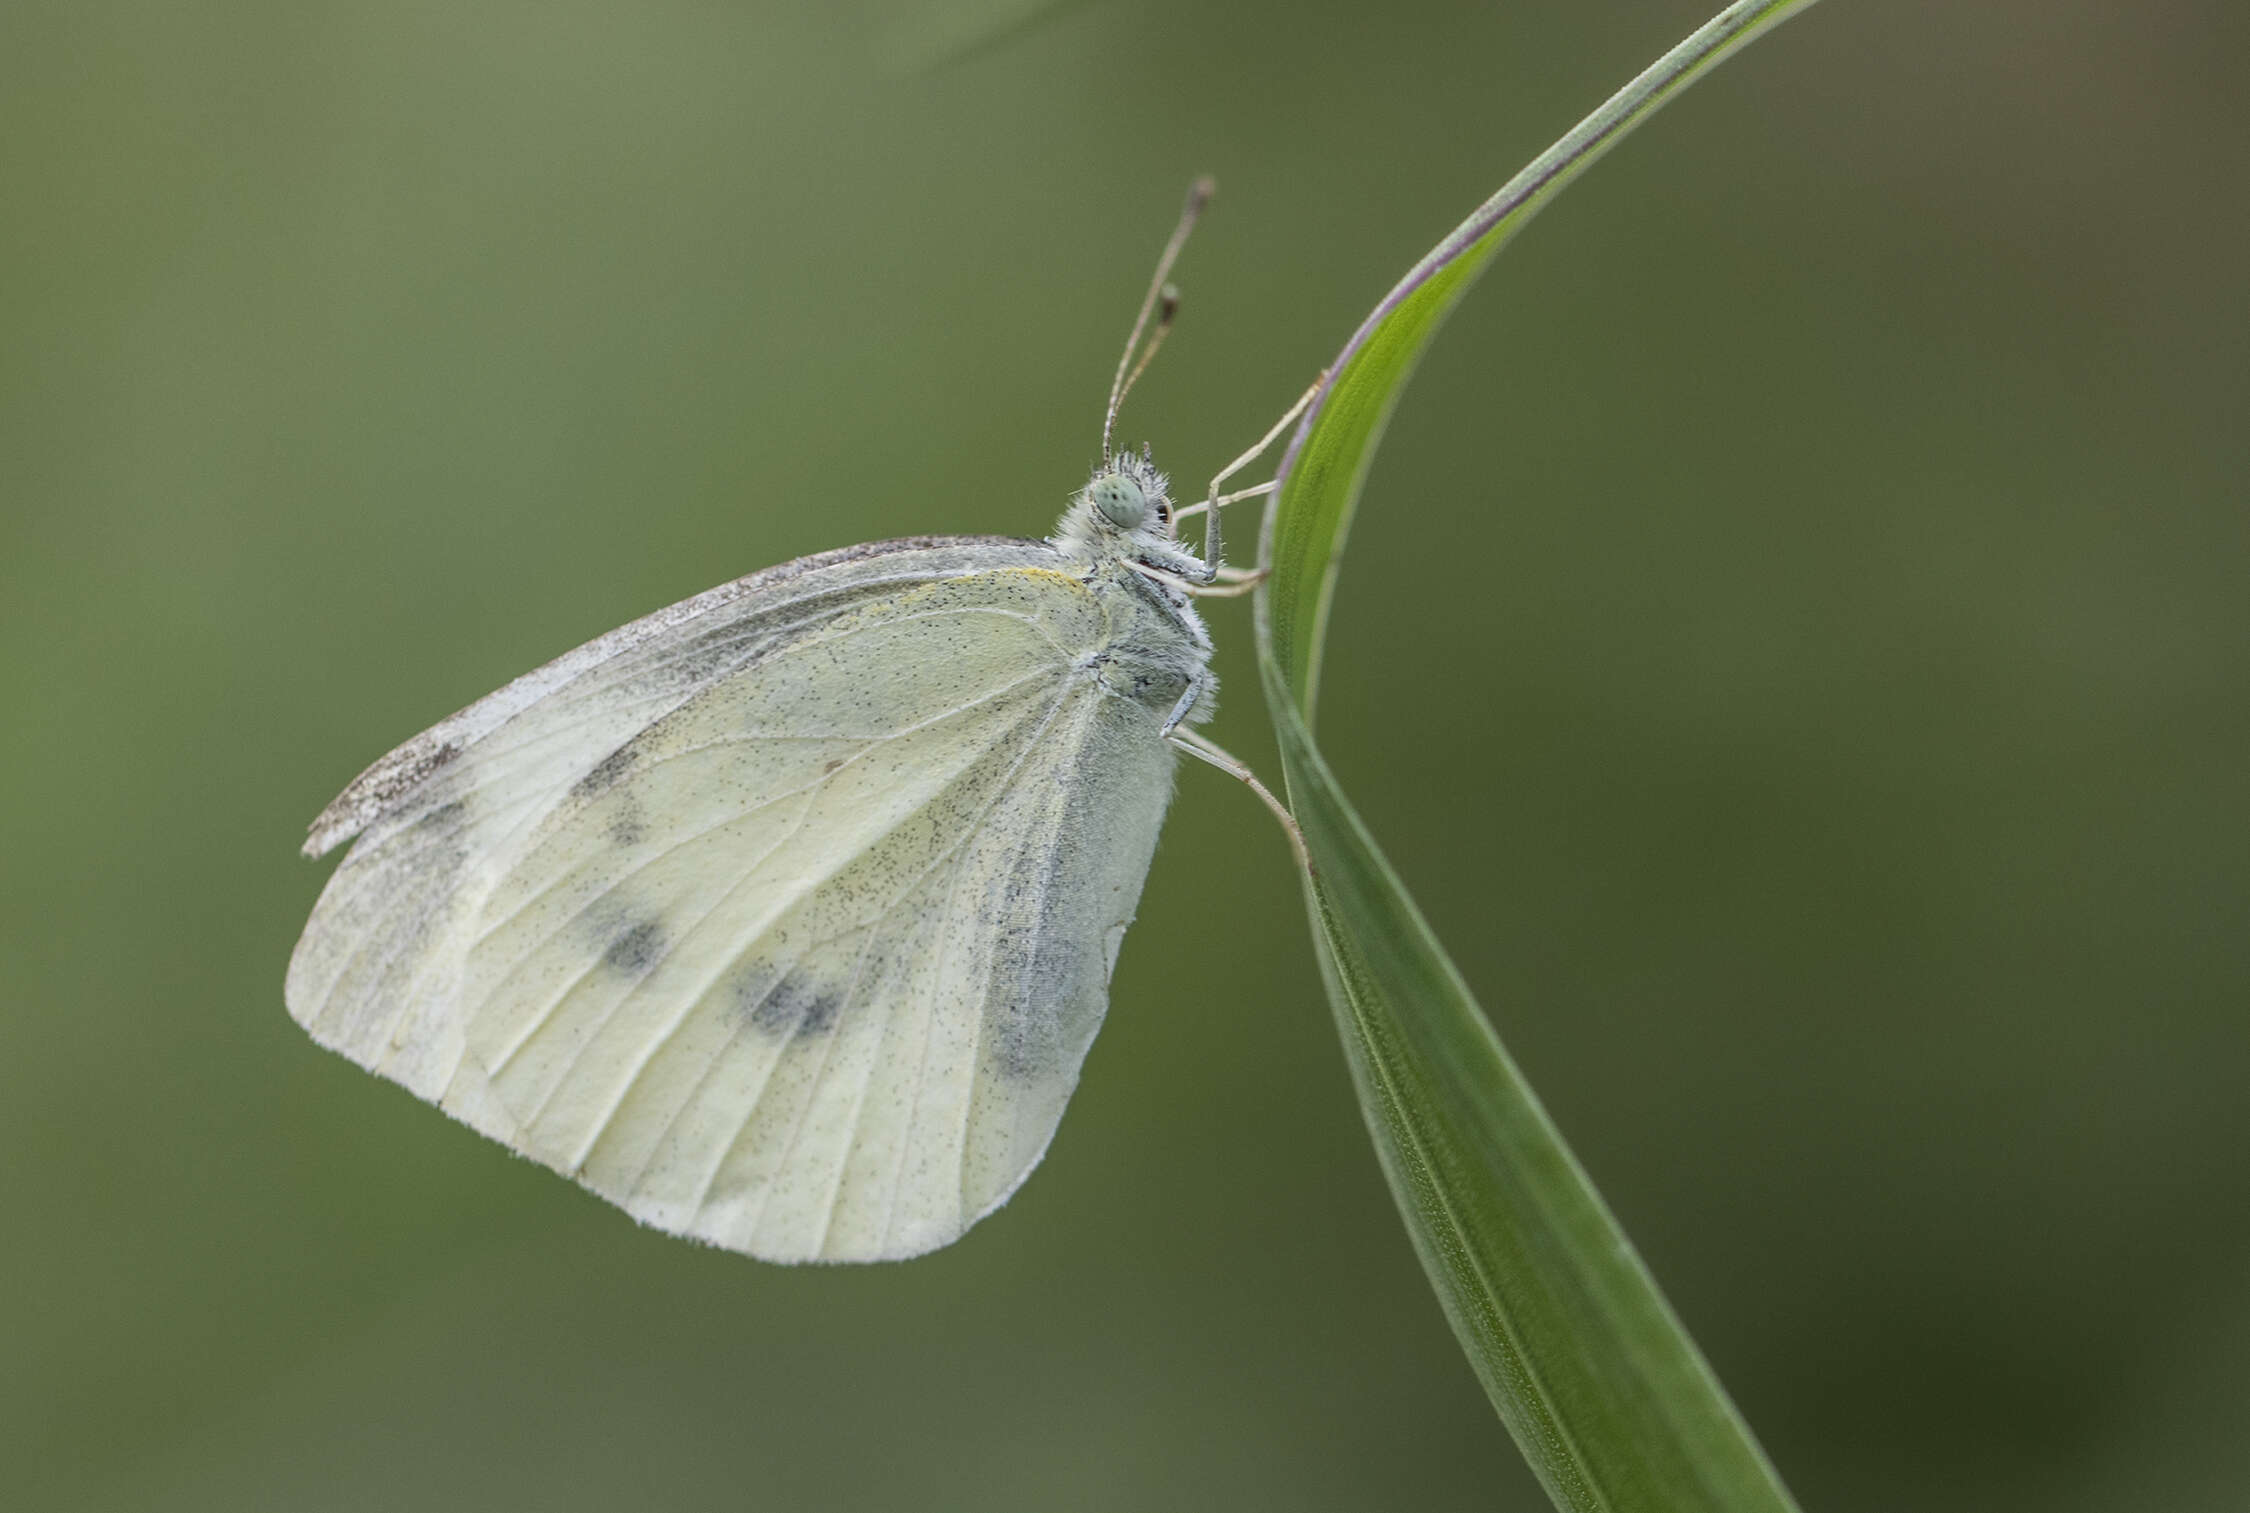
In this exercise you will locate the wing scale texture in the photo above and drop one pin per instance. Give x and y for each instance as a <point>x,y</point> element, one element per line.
<point>783,917</point>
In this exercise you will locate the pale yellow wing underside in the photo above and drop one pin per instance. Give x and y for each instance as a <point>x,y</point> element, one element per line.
<point>784,924</point>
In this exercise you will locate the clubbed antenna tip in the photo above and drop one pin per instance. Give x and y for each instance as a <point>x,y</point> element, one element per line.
<point>1160,293</point>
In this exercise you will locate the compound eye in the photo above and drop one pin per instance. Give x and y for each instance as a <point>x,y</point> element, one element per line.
<point>1120,500</point>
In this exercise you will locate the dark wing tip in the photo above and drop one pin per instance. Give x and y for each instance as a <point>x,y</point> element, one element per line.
<point>390,779</point>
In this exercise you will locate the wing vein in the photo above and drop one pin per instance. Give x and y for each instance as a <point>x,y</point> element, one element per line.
<point>692,1001</point>
<point>688,840</point>
<point>815,641</point>
<point>999,792</point>
<point>859,1110</point>
<point>968,1104</point>
<point>753,626</point>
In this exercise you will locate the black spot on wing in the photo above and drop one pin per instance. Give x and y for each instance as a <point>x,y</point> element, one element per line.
<point>795,1004</point>
<point>636,949</point>
<point>628,826</point>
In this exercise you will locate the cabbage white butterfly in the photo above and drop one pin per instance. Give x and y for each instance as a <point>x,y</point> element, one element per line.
<point>783,917</point>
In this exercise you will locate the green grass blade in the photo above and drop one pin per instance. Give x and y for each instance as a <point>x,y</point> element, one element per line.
<point>1328,457</point>
<point>1596,1379</point>
<point>1602,1388</point>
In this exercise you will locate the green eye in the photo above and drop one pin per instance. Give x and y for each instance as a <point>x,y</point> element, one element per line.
<point>1120,500</point>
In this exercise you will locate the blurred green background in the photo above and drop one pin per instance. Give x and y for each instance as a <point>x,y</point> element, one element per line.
<point>1797,645</point>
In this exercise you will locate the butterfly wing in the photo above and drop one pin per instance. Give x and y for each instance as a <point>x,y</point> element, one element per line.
<point>784,922</point>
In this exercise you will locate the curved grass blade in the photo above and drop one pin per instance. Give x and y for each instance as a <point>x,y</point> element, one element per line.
<point>1593,1374</point>
<point>1327,459</point>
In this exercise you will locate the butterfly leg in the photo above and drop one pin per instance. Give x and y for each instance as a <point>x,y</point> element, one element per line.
<point>1198,685</point>
<point>1212,550</point>
<point>1229,588</point>
<point>1218,756</point>
<point>1230,583</point>
<point>1236,496</point>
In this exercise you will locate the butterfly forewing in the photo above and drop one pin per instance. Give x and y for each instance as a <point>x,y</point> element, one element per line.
<point>785,923</point>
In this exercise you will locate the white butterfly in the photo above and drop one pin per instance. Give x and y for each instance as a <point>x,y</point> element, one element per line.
<point>783,918</point>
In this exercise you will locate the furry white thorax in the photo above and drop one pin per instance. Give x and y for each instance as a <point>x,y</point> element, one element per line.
<point>1161,642</point>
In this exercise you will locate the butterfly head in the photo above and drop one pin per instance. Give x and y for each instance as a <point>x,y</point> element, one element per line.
<point>1124,513</point>
<point>1131,497</point>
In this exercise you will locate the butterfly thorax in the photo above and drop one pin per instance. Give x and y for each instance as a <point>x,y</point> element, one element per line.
<point>1120,528</point>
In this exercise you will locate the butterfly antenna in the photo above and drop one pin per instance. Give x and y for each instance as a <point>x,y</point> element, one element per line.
<point>1167,309</point>
<point>1160,291</point>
